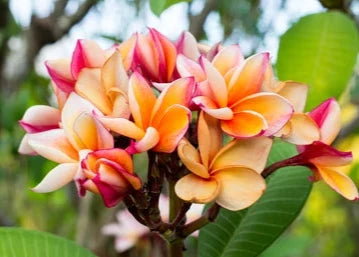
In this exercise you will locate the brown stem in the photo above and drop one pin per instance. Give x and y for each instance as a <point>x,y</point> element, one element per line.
<point>293,161</point>
<point>180,215</point>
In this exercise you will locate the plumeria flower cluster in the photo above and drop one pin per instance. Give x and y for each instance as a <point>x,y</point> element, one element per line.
<point>206,116</point>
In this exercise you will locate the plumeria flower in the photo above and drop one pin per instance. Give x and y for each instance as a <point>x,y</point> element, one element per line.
<point>109,173</point>
<point>324,160</point>
<point>154,56</point>
<point>80,130</point>
<point>229,90</point>
<point>127,230</point>
<point>229,175</point>
<point>159,123</point>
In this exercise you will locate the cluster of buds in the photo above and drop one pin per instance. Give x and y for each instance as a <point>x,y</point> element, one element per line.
<point>206,116</point>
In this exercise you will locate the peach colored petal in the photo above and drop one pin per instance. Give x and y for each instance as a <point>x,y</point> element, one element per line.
<point>126,49</point>
<point>210,107</point>
<point>117,155</point>
<point>120,107</point>
<point>252,153</point>
<point>248,79</point>
<point>275,109</point>
<point>240,187</point>
<point>187,45</point>
<point>123,127</point>
<point>245,124</point>
<point>58,177</point>
<point>25,148</point>
<point>91,133</point>
<point>303,130</point>
<point>172,127</point>
<point>179,92</point>
<point>40,118</point>
<point>216,83</point>
<point>141,100</point>
<point>327,116</point>
<point>195,189</point>
<point>191,159</point>
<point>187,68</point>
<point>227,58</point>
<point>60,73</point>
<point>113,74</point>
<point>295,93</point>
<point>270,84</point>
<point>339,182</point>
<point>53,145</point>
<point>89,86</point>
<point>60,95</point>
<point>149,140</point>
<point>209,137</point>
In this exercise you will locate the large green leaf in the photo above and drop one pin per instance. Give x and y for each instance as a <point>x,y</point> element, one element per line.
<point>158,6</point>
<point>18,242</point>
<point>319,50</point>
<point>247,233</point>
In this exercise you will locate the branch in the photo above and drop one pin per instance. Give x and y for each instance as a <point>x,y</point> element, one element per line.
<point>196,22</point>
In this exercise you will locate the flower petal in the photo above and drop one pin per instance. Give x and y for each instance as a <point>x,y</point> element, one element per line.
<point>295,93</point>
<point>187,68</point>
<point>141,100</point>
<point>87,54</point>
<point>25,148</point>
<point>191,159</point>
<point>275,109</point>
<point>339,182</point>
<point>123,127</point>
<point>209,137</point>
<point>245,124</point>
<point>40,118</point>
<point>187,45</point>
<point>248,79</point>
<point>210,107</point>
<point>53,145</point>
<point>240,187</point>
<point>145,55</point>
<point>60,73</point>
<point>195,189</point>
<point>127,49</point>
<point>303,130</point>
<point>252,153</point>
<point>116,155</point>
<point>58,177</point>
<point>327,117</point>
<point>172,127</point>
<point>227,58</point>
<point>89,86</point>
<point>149,140</point>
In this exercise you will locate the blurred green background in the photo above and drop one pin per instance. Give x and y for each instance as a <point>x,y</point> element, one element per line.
<point>320,50</point>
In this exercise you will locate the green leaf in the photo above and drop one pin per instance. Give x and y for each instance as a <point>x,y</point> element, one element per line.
<point>319,50</point>
<point>18,242</point>
<point>158,6</point>
<point>249,232</point>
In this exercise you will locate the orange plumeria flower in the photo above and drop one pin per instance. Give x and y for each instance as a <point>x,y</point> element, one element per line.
<point>229,90</point>
<point>159,123</point>
<point>229,175</point>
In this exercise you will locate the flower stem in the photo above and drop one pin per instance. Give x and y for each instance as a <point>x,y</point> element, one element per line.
<point>293,161</point>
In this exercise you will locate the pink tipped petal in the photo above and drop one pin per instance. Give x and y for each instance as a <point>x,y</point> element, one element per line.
<point>53,145</point>
<point>145,54</point>
<point>303,130</point>
<point>339,182</point>
<point>187,45</point>
<point>240,187</point>
<point>251,153</point>
<point>245,124</point>
<point>192,188</point>
<point>60,73</point>
<point>127,49</point>
<point>208,128</point>
<point>191,159</point>
<point>89,86</point>
<point>40,118</point>
<point>210,107</point>
<point>248,79</point>
<point>172,127</point>
<point>58,177</point>
<point>270,84</point>
<point>113,74</point>
<point>227,58</point>
<point>87,54</point>
<point>25,148</point>
<point>123,127</point>
<point>216,83</point>
<point>275,109</point>
<point>141,100</point>
<point>295,93</point>
<point>327,117</point>
<point>150,140</point>
<point>187,68</point>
